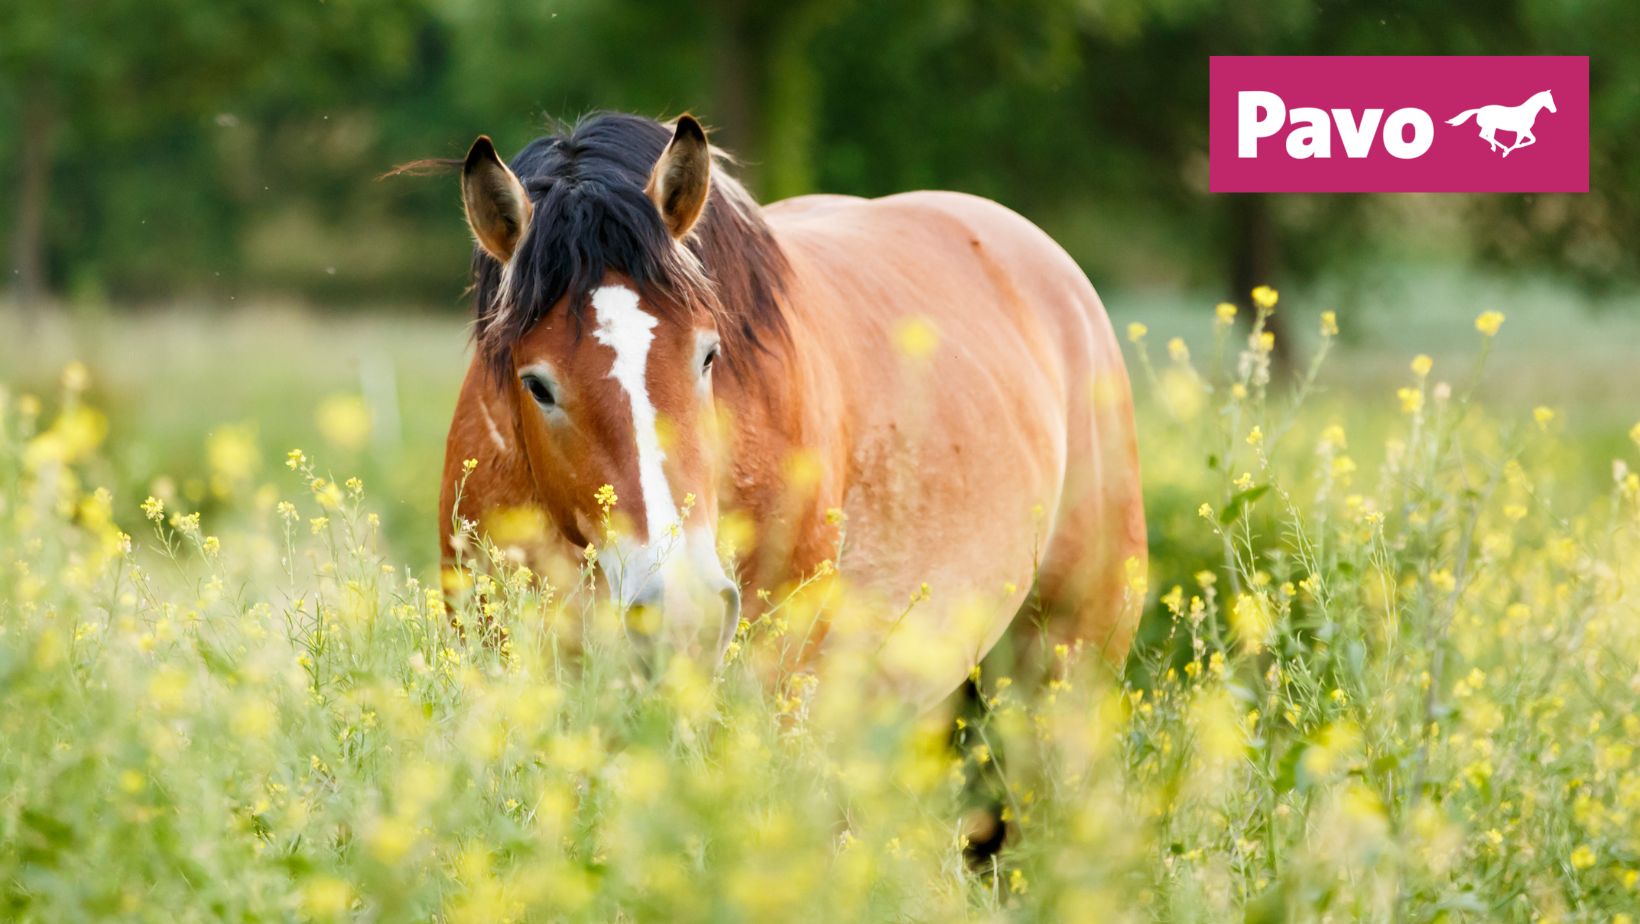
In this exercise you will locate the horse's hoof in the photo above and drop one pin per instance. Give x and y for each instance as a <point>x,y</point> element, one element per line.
<point>984,832</point>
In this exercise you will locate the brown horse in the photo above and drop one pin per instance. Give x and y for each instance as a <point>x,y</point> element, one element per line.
<point>929,371</point>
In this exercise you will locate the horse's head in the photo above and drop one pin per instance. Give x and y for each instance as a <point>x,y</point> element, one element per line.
<point>605,334</point>
<point>1549,100</point>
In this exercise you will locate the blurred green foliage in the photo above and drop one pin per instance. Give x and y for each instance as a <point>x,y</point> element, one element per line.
<point>178,148</point>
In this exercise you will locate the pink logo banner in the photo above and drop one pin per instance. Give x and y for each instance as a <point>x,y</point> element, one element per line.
<point>1398,124</point>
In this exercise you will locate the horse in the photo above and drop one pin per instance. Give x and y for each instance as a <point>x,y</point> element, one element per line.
<point>927,373</point>
<point>1517,119</point>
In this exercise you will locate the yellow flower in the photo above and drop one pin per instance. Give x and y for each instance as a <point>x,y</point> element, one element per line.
<point>76,377</point>
<point>1265,297</point>
<point>1017,883</point>
<point>1255,436</point>
<point>1252,622</point>
<point>391,839</point>
<point>1178,351</point>
<point>606,497</point>
<point>153,508</point>
<point>917,338</point>
<point>295,459</point>
<point>1421,364</point>
<point>326,897</point>
<point>344,420</point>
<point>1543,415</point>
<point>1329,323</point>
<point>1488,322</point>
<point>233,455</point>
<point>1136,332</point>
<point>1583,856</point>
<point>1412,399</point>
<point>1225,312</point>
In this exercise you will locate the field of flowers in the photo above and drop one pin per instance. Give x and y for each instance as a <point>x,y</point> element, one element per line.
<point>1388,672</point>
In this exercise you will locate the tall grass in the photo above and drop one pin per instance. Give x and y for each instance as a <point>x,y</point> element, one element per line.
<point>1390,675</point>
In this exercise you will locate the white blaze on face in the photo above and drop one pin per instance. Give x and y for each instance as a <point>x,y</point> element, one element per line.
<point>629,331</point>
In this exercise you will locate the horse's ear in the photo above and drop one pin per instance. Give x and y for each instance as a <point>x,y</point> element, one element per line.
<point>682,178</point>
<point>498,208</point>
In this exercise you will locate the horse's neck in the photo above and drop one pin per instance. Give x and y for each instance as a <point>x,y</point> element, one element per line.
<point>772,396</point>
<point>789,413</point>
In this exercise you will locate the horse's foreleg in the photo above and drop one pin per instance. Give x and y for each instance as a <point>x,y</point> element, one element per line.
<point>1522,141</point>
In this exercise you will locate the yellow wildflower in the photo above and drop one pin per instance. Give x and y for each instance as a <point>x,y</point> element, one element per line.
<point>917,338</point>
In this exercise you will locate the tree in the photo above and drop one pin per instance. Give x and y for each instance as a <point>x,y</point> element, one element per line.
<point>92,79</point>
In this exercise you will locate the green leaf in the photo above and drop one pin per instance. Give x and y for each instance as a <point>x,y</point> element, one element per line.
<point>1239,503</point>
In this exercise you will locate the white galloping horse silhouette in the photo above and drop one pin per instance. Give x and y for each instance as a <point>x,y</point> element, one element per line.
<point>1517,119</point>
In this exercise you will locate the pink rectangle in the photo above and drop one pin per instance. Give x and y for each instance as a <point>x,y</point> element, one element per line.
<point>1540,104</point>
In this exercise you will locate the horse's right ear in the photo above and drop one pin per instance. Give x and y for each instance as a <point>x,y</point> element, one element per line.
<point>498,208</point>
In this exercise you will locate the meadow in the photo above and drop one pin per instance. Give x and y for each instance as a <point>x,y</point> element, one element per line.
<point>1387,669</point>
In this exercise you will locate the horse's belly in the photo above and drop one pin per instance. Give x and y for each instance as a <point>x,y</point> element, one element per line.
<point>949,507</point>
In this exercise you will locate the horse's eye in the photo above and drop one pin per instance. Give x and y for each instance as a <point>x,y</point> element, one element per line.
<point>540,390</point>
<point>711,357</point>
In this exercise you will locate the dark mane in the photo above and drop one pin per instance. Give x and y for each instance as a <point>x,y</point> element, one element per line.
<point>592,217</point>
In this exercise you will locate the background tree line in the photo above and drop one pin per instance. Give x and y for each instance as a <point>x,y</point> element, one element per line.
<point>170,149</point>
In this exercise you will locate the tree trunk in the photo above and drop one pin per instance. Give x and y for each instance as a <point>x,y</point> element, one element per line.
<point>37,145</point>
<point>735,120</point>
<point>791,103</point>
<point>1254,261</point>
<point>766,92</point>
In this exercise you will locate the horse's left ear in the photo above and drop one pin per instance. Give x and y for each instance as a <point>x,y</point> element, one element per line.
<point>682,178</point>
